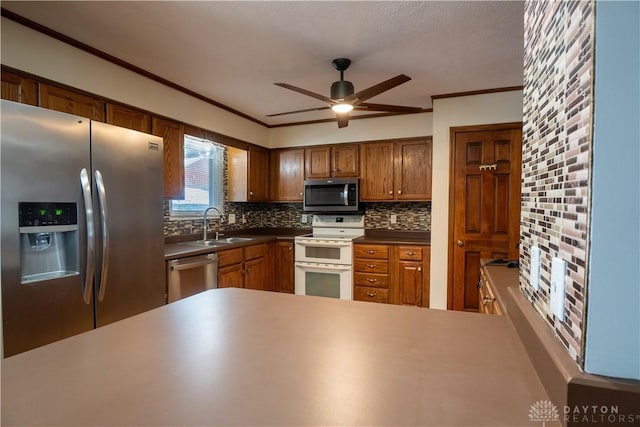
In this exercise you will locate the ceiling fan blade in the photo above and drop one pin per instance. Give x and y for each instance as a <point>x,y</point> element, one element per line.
<point>366,106</point>
<point>374,90</point>
<point>304,92</point>
<point>299,111</point>
<point>343,119</point>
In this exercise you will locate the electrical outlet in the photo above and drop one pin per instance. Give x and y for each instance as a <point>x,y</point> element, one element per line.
<point>534,274</point>
<point>556,298</point>
<point>244,219</point>
<point>232,218</point>
<point>393,219</point>
<point>304,219</point>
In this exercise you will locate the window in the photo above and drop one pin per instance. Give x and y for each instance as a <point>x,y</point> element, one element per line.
<point>203,177</point>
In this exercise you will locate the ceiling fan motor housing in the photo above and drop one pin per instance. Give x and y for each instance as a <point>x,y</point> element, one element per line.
<point>341,89</point>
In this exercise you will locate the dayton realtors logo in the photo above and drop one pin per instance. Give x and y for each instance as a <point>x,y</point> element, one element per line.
<point>545,411</point>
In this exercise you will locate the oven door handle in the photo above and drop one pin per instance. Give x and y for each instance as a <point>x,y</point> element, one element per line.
<point>322,244</point>
<point>331,267</point>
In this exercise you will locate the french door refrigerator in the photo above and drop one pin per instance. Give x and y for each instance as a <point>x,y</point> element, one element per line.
<point>82,225</point>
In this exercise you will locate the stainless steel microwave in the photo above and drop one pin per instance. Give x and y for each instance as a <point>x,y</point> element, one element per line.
<point>331,195</point>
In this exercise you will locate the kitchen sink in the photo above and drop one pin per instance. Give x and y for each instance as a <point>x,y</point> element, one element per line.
<point>235,239</point>
<point>219,242</point>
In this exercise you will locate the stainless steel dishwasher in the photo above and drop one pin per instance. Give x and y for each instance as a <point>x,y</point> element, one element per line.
<point>188,276</point>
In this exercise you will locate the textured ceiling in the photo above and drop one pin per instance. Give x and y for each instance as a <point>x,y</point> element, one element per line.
<point>233,51</point>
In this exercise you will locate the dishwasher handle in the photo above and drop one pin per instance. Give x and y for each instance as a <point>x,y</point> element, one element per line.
<point>178,264</point>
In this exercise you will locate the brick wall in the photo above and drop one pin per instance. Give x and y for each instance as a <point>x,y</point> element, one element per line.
<point>558,75</point>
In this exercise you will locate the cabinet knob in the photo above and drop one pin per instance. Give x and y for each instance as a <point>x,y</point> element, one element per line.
<point>419,269</point>
<point>251,193</point>
<point>411,253</point>
<point>391,193</point>
<point>372,280</point>
<point>460,243</point>
<point>289,247</point>
<point>371,294</point>
<point>370,252</point>
<point>371,266</point>
<point>301,193</point>
<point>399,191</point>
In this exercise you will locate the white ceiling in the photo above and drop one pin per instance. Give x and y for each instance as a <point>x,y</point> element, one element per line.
<point>233,51</point>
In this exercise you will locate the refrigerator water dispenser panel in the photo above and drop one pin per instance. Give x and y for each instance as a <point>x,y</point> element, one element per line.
<point>48,240</point>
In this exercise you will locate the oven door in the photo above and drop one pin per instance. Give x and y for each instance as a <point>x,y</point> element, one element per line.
<point>323,280</point>
<point>323,251</point>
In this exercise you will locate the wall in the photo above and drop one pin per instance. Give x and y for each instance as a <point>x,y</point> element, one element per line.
<point>401,126</point>
<point>502,107</point>
<point>556,157</point>
<point>28,50</point>
<point>613,321</point>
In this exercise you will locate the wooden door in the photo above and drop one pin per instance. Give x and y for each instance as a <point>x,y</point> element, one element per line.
<point>317,162</point>
<point>288,175</point>
<point>376,179</point>
<point>172,134</point>
<point>258,170</point>
<point>410,283</point>
<point>484,205</point>
<point>413,170</point>
<point>283,278</point>
<point>19,89</point>
<point>345,161</point>
<point>231,276</point>
<point>255,274</point>
<point>67,101</point>
<point>128,118</point>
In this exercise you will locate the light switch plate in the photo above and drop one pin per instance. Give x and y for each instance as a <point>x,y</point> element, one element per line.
<point>534,274</point>
<point>556,298</point>
<point>393,219</point>
<point>304,219</point>
<point>232,218</point>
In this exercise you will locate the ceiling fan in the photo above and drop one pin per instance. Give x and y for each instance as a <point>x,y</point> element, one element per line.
<point>343,99</point>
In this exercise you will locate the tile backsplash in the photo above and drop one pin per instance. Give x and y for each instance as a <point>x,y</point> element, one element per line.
<point>410,216</point>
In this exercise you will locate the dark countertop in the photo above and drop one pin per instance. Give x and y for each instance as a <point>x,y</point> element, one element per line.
<point>175,246</point>
<point>242,357</point>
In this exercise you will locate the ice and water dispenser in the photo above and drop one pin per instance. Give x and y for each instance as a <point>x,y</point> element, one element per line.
<point>48,240</point>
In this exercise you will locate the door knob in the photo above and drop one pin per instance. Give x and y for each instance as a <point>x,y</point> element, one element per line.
<point>460,243</point>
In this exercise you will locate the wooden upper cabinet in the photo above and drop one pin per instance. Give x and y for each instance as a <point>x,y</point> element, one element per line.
<point>258,179</point>
<point>376,177</point>
<point>18,88</point>
<point>172,134</point>
<point>128,118</point>
<point>67,101</point>
<point>332,161</point>
<point>287,174</point>
<point>413,170</point>
<point>396,170</point>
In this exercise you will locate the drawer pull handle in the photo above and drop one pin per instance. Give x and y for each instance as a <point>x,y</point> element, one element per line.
<point>411,253</point>
<point>372,266</point>
<point>372,280</point>
<point>371,294</point>
<point>370,252</point>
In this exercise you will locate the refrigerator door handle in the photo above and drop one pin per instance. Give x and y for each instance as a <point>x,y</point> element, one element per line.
<point>102,200</point>
<point>88,207</point>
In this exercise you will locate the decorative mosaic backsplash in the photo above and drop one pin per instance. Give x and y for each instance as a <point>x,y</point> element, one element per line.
<point>409,217</point>
<point>558,74</point>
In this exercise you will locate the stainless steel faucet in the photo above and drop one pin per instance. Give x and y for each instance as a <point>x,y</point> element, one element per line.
<point>204,220</point>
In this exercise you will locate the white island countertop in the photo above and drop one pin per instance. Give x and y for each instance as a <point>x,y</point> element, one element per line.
<point>251,358</point>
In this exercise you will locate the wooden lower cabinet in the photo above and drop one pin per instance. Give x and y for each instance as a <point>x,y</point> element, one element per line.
<point>394,274</point>
<point>246,267</point>
<point>283,278</point>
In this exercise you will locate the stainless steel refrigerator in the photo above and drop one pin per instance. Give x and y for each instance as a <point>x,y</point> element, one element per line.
<point>82,225</point>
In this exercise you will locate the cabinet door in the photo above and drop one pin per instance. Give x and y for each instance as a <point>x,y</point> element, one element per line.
<point>288,175</point>
<point>345,160</point>
<point>376,177</point>
<point>17,88</point>
<point>413,170</point>
<point>128,118</point>
<point>284,267</point>
<point>172,134</point>
<point>410,276</point>
<point>231,276</point>
<point>258,171</point>
<point>255,274</point>
<point>317,162</point>
<point>59,99</point>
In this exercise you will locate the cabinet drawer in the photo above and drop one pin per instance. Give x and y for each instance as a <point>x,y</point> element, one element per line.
<point>229,257</point>
<point>371,251</point>
<point>410,253</point>
<point>366,279</point>
<point>365,293</point>
<point>255,251</point>
<point>372,266</point>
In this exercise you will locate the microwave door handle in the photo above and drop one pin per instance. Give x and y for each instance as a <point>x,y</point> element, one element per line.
<point>346,194</point>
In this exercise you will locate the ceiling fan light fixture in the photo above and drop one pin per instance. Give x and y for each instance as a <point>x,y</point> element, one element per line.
<point>342,107</point>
